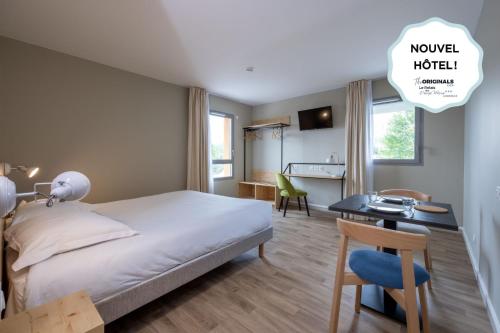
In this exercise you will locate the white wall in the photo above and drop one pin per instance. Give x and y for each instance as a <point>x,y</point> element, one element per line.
<point>441,174</point>
<point>242,117</point>
<point>482,163</point>
<point>303,146</point>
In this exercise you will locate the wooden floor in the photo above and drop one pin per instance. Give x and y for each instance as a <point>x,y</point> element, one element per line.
<point>291,290</point>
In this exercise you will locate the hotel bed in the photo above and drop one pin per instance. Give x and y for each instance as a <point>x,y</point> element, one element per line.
<point>181,236</point>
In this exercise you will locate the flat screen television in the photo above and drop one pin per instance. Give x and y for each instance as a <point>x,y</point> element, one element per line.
<point>316,118</point>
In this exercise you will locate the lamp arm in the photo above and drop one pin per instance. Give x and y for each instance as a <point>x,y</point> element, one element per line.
<point>21,168</point>
<point>34,194</point>
<point>26,194</point>
<point>40,184</point>
<point>35,189</point>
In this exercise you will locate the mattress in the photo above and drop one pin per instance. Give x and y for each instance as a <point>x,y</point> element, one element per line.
<point>174,228</point>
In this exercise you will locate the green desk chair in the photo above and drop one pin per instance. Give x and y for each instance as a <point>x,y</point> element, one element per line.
<point>288,191</point>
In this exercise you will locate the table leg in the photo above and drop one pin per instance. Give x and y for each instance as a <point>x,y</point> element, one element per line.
<point>375,298</point>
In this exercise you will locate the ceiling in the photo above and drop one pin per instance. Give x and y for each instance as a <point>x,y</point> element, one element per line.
<point>296,46</point>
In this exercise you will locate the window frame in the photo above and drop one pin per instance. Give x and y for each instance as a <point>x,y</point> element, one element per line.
<point>224,161</point>
<point>419,144</point>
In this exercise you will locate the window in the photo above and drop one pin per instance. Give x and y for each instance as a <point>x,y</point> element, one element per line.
<point>396,132</point>
<point>221,140</point>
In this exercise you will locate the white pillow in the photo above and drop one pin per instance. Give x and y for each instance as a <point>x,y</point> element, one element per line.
<point>38,209</point>
<point>39,236</point>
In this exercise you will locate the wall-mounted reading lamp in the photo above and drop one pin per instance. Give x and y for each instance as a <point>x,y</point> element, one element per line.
<point>6,168</point>
<point>68,186</point>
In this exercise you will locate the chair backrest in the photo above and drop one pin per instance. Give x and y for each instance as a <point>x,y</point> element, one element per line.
<point>382,237</point>
<point>408,193</point>
<point>284,184</point>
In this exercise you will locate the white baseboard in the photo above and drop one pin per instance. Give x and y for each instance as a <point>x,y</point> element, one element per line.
<point>319,207</point>
<point>495,323</point>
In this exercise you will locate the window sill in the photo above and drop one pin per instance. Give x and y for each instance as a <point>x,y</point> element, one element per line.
<point>398,162</point>
<point>223,178</point>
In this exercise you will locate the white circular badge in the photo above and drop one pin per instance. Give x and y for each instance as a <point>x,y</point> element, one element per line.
<point>435,64</point>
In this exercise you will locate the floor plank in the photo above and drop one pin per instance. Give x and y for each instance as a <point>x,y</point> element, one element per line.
<point>290,290</point>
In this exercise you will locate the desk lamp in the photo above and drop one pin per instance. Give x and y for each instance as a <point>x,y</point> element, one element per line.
<point>6,168</point>
<point>68,186</point>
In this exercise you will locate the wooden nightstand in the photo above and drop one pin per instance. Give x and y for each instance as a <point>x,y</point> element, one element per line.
<point>74,313</point>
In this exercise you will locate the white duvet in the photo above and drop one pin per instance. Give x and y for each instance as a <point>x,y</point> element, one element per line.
<point>173,228</point>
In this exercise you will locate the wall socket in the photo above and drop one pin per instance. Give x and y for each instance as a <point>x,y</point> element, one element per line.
<point>498,192</point>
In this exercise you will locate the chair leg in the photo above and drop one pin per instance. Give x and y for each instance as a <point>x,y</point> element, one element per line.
<point>357,304</point>
<point>423,307</point>
<point>339,282</point>
<point>428,266</point>
<point>307,205</point>
<point>298,200</point>
<point>281,204</point>
<point>428,258</point>
<point>410,292</point>
<point>286,206</point>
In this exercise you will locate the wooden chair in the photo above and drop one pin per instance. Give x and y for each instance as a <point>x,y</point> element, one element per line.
<point>399,276</point>
<point>413,228</point>
<point>287,190</point>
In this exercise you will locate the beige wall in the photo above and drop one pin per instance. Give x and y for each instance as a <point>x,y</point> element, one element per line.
<point>242,116</point>
<point>482,164</point>
<point>441,174</point>
<point>126,132</point>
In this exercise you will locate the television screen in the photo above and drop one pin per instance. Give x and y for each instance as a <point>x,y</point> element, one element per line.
<point>316,118</point>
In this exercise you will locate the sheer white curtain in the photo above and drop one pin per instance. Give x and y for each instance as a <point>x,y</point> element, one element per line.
<point>199,162</point>
<point>359,132</point>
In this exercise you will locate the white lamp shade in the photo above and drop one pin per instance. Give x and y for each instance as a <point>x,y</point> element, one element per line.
<point>7,196</point>
<point>70,185</point>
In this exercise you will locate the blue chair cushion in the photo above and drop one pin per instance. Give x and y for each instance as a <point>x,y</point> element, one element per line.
<point>383,269</point>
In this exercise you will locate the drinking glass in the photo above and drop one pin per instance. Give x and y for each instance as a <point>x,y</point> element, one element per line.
<point>372,196</point>
<point>409,205</point>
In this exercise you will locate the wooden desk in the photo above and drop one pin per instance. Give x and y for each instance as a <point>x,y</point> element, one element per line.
<point>303,175</point>
<point>322,177</point>
<point>74,313</point>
